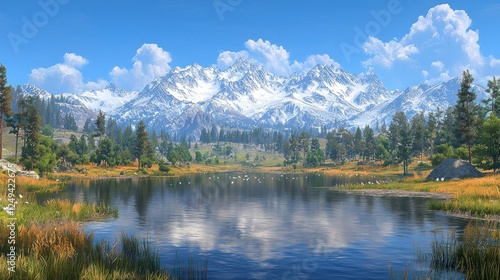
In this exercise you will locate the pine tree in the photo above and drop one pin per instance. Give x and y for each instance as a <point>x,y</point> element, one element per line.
<point>359,144</point>
<point>15,124</point>
<point>31,152</point>
<point>494,91</point>
<point>141,143</point>
<point>369,140</point>
<point>303,144</point>
<point>70,122</point>
<point>5,103</point>
<point>401,139</point>
<point>83,147</point>
<point>488,149</point>
<point>405,144</point>
<point>100,124</point>
<point>128,138</point>
<point>466,113</point>
<point>87,127</point>
<point>214,134</point>
<point>418,127</point>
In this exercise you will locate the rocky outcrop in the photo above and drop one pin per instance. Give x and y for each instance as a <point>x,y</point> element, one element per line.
<point>453,169</point>
<point>9,166</point>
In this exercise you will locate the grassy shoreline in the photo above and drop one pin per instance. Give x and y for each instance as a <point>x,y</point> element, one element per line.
<point>47,241</point>
<point>59,221</point>
<point>474,198</point>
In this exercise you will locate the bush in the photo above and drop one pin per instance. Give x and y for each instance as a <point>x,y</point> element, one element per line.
<point>437,159</point>
<point>163,167</point>
<point>443,152</point>
<point>462,152</point>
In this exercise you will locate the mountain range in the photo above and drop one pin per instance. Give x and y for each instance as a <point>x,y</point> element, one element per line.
<point>246,95</point>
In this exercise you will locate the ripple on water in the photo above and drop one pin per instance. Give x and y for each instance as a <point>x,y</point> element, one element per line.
<point>286,226</point>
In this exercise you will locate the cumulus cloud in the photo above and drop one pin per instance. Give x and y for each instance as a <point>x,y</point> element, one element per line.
<point>438,65</point>
<point>386,54</point>
<point>74,60</point>
<point>494,62</point>
<point>228,58</point>
<point>440,45</point>
<point>64,77</point>
<point>149,63</point>
<point>274,58</point>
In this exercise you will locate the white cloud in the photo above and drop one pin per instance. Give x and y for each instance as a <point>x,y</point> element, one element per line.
<point>438,65</point>
<point>314,60</point>
<point>228,58</point>
<point>276,59</point>
<point>74,60</point>
<point>386,54</point>
<point>494,62</point>
<point>442,39</point>
<point>64,77</point>
<point>149,63</point>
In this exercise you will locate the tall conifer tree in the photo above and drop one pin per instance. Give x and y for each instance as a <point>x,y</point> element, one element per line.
<point>466,113</point>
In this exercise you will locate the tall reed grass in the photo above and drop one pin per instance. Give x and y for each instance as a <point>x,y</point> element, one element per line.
<point>476,253</point>
<point>64,251</point>
<point>59,210</point>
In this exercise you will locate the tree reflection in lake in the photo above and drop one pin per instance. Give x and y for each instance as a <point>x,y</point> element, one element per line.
<point>260,225</point>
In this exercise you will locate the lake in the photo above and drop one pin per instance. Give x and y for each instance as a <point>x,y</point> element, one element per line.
<point>268,226</point>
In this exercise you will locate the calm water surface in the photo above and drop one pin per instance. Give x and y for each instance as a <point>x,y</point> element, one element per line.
<point>268,226</point>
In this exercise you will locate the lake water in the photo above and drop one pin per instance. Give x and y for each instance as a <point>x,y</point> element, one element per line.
<point>268,226</point>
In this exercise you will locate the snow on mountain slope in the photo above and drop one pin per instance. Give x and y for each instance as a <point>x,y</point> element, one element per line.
<point>414,100</point>
<point>246,95</point>
<point>107,99</point>
<point>68,105</point>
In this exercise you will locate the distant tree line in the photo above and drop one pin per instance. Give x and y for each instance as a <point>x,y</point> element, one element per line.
<point>51,112</point>
<point>468,130</point>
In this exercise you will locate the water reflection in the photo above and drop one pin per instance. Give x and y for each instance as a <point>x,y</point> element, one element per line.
<point>260,225</point>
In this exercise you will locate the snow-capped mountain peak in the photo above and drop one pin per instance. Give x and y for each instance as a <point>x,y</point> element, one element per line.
<point>246,95</point>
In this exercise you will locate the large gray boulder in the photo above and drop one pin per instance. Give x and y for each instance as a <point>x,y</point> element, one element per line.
<point>29,174</point>
<point>7,165</point>
<point>453,169</point>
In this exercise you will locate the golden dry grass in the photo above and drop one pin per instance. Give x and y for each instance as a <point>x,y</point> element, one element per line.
<point>487,187</point>
<point>25,184</point>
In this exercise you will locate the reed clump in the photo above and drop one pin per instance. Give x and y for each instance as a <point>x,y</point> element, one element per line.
<point>29,185</point>
<point>476,253</point>
<point>65,251</point>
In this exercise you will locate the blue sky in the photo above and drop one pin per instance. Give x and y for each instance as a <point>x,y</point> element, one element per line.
<point>71,45</point>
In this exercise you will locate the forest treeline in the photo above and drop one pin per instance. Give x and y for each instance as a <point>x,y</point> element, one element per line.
<point>470,130</point>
